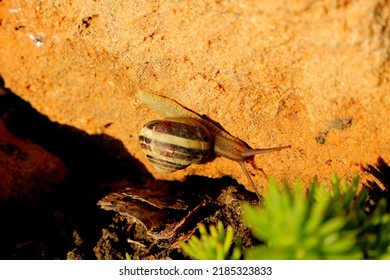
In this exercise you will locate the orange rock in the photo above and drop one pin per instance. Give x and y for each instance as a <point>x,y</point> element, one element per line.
<point>271,73</point>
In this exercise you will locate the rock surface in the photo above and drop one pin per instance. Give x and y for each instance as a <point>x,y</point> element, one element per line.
<point>313,74</point>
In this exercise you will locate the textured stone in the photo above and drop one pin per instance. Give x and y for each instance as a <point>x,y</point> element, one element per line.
<point>313,74</point>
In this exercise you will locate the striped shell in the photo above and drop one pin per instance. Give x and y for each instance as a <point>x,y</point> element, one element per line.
<point>175,143</point>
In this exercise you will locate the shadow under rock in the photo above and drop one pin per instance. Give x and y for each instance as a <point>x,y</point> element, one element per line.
<point>92,160</point>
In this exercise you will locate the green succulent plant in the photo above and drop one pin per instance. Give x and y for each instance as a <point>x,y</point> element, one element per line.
<point>213,245</point>
<point>318,222</point>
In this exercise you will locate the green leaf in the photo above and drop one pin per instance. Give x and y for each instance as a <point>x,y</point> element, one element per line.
<point>317,223</point>
<point>214,244</point>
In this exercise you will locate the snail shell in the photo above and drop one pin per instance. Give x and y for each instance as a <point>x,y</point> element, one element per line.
<point>175,143</point>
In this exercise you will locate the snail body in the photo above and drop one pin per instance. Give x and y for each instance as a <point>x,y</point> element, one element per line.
<point>221,143</point>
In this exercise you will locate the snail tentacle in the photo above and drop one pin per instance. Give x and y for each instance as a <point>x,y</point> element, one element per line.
<point>253,152</point>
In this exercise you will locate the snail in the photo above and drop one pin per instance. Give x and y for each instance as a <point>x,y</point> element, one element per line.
<point>185,137</point>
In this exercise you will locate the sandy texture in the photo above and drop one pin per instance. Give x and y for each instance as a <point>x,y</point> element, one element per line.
<point>313,74</point>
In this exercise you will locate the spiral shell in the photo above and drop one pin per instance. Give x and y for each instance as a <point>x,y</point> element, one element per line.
<point>175,143</point>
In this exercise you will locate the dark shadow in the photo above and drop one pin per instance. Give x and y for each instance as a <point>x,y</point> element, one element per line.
<point>96,157</point>
<point>46,231</point>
